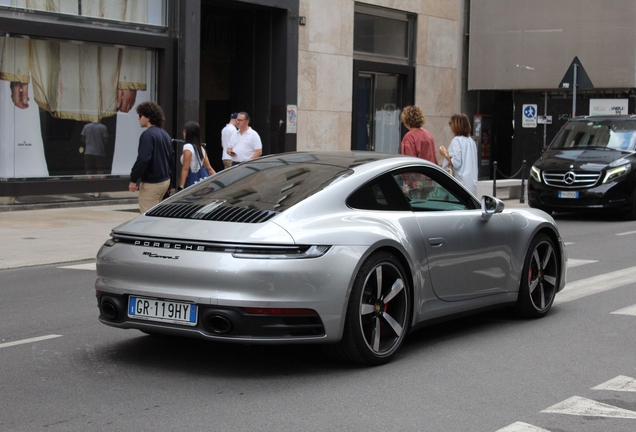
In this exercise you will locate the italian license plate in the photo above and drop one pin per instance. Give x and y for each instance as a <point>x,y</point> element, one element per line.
<point>162,310</point>
<point>568,194</point>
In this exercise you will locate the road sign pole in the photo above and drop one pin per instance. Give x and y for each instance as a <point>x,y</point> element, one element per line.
<point>574,91</point>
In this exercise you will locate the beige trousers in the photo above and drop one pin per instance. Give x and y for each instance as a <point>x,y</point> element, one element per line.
<point>227,163</point>
<point>151,194</point>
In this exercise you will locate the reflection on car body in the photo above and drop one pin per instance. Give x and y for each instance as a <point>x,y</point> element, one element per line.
<point>349,249</point>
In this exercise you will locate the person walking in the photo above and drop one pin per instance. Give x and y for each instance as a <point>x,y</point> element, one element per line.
<point>226,136</point>
<point>155,158</point>
<point>194,155</point>
<point>245,143</point>
<point>418,141</point>
<point>461,155</point>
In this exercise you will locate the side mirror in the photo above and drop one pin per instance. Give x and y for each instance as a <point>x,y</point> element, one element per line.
<point>490,206</point>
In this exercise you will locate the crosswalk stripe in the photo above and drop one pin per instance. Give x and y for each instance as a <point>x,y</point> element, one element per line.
<point>580,406</point>
<point>620,383</point>
<point>522,427</point>
<point>596,284</point>
<point>89,266</point>
<point>579,262</point>
<point>629,310</point>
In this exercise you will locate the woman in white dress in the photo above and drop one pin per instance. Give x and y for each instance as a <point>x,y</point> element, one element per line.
<point>191,135</point>
<point>462,153</point>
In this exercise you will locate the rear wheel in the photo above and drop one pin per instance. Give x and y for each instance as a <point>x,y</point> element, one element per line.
<point>539,279</point>
<point>379,312</point>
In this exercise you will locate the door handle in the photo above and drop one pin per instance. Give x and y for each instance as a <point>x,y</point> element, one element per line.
<point>436,241</point>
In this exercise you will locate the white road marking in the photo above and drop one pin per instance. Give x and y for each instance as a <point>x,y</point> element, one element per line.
<point>31,340</point>
<point>568,243</point>
<point>522,427</point>
<point>579,262</point>
<point>579,406</point>
<point>626,233</point>
<point>89,266</point>
<point>596,284</point>
<point>620,383</point>
<point>629,310</point>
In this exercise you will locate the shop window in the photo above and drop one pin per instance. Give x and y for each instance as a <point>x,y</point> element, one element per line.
<point>151,12</point>
<point>68,108</point>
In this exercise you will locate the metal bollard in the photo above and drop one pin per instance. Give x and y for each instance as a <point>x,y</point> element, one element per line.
<point>522,198</point>
<point>494,179</point>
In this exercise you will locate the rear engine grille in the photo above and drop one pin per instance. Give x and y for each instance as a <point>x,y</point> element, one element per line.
<point>212,212</point>
<point>571,179</point>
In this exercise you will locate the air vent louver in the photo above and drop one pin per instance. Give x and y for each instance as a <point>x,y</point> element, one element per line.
<point>218,213</point>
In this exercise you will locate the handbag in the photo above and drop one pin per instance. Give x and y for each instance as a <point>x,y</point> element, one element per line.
<point>196,176</point>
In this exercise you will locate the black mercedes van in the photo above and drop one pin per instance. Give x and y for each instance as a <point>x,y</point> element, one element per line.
<point>590,165</point>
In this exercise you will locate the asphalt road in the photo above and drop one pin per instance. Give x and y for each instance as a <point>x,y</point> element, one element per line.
<point>572,371</point>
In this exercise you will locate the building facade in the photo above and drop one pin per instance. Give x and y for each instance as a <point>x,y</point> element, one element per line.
<point>520,74</point>
<point>312,74</point>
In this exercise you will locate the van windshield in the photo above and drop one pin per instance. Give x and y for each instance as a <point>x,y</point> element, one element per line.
<point>613,134</point>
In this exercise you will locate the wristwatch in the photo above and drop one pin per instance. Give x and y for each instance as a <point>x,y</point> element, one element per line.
<point>179,188</point>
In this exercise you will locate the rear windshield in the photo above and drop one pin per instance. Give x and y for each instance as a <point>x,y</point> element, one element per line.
<point>614,134</point>
<point>270,184</point>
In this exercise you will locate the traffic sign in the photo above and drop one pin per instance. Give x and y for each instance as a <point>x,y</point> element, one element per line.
<point>529,116</point>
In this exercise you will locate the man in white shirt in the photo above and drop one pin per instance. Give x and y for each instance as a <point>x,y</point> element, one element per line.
<point>245,143</point>
<point>226,136</point>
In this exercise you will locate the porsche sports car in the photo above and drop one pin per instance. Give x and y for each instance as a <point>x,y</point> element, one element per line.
<point>349,249</point>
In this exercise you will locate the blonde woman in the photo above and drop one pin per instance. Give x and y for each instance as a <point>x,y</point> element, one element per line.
<point>461,155</point>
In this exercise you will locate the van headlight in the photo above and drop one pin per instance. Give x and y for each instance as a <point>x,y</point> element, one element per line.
<point>535,173</point>
<point>617,172</point>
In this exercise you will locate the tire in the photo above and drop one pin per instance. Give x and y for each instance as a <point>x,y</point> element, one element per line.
<point>539,279</point>
<point>379,312</point>
<point>630,214</point>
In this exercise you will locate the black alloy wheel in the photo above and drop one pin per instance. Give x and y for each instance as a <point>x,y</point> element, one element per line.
<point>379,311</point>
<point>539,279</point>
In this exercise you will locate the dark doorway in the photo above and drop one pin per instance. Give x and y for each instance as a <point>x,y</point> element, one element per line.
<point>245,66</point>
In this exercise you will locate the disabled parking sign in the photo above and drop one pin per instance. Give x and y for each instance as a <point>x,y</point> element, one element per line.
<point>529,116</point>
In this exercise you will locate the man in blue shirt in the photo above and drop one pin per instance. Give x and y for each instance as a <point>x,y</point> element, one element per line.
<point>155,158</point>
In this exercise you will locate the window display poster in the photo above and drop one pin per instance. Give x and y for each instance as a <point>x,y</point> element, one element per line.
<point>68,109</point>
<point>137,11</point>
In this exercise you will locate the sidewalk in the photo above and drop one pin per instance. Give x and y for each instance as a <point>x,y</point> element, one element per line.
<point>48,236</point>
<point>59,235</point>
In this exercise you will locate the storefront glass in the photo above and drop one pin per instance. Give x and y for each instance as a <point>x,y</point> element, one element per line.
<point>132,11</point>
<point>68,108</point>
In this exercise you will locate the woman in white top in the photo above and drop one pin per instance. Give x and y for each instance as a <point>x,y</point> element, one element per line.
<point>191,135</point>
<point>462,153</point>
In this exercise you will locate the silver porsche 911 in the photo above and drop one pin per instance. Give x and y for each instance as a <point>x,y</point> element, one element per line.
<point>350,249</point>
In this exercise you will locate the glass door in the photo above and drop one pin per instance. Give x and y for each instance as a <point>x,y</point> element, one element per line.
<point>378,108</point>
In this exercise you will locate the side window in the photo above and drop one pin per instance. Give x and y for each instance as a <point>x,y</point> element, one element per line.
<point>430,190</point>
<point>379,194</point>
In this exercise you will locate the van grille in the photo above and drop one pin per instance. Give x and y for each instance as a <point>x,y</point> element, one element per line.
<point>212,212</point>
<point>571,179</point>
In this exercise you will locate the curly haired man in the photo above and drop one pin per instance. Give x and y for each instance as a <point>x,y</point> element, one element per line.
<point>155,158</point>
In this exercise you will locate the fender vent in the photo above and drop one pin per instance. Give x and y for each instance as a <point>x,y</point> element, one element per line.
<point>212,212</point>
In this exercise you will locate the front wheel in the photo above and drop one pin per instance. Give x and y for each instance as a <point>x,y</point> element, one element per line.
<point>378,313</point>
<point>539,279</point>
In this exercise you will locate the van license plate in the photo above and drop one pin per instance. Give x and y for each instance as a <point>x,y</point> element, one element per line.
<point>568,194</point>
